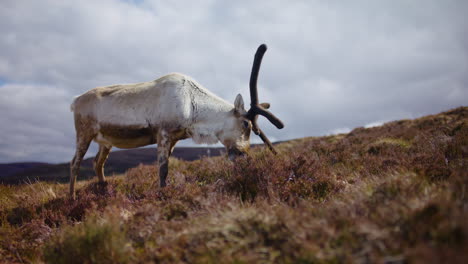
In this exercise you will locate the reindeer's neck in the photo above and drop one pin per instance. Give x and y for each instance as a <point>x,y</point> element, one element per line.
<point>209,112</point>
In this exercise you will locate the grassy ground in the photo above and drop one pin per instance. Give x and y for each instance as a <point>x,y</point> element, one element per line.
<point>390,194</point>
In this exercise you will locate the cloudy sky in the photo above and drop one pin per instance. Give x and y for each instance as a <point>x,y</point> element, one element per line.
<point>331,65</point>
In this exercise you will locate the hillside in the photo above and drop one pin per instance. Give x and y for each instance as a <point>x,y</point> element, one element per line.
<point>390,194</point>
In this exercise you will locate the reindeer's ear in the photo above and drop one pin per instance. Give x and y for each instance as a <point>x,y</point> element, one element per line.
<point>239,104</point>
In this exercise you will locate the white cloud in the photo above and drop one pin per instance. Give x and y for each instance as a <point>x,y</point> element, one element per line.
<point>34,123</point>
<point>340,130</point>
<point>374,124</point>
<point>329,65</point>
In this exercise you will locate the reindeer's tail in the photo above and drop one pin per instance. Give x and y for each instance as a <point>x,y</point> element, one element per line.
<point>72,106</point>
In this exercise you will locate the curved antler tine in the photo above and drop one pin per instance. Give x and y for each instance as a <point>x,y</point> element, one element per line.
<point>271,117</point>
<point>254,74</point>
<point>267,141</point>
<point>255,127</point>
<point>265,105</point>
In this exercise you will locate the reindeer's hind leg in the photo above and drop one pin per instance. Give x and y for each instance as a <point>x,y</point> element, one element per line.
<point>99,161</point>
<point>84,136</point>
<point>82,146</point>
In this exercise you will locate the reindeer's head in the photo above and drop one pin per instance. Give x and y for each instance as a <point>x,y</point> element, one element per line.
<point>242,122</point>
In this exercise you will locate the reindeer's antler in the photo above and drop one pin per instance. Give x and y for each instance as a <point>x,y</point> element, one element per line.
<point>256,108</point>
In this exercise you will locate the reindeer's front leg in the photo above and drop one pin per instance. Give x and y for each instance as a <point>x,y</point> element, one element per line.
<point>165,146</point>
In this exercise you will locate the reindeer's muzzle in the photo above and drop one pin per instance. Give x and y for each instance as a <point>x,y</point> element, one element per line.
<point>233,153</point>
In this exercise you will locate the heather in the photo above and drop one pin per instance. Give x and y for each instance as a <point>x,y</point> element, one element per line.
<point>396,193</point>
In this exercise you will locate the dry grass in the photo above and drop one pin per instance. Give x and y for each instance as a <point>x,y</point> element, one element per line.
<point>390,194</point>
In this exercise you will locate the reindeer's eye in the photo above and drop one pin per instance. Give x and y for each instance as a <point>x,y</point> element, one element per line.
<point>246,123</point>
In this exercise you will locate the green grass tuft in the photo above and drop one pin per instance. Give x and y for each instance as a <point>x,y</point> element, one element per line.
<point>96,240</point>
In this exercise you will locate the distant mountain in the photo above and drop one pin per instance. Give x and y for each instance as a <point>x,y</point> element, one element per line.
<point>118,162</point>
<point>13,168</point>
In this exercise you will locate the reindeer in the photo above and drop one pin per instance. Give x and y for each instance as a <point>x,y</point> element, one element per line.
<point>164,111</point>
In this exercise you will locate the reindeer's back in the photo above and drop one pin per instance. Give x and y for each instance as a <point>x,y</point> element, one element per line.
<point>149,102</point>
